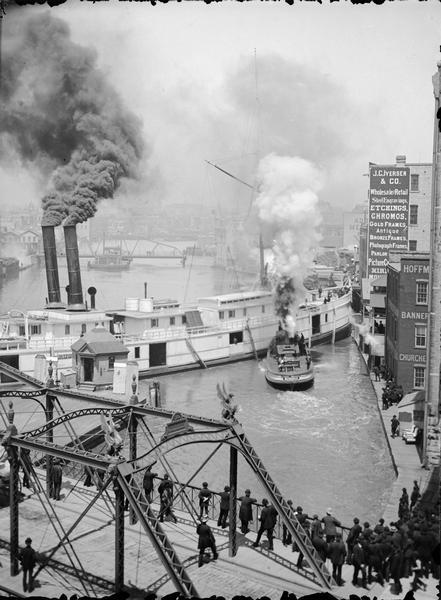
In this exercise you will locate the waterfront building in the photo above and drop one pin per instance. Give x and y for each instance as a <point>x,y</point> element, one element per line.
<point>406,318</point>
<point>352,221</point>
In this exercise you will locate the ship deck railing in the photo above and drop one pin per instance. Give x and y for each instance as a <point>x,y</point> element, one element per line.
<point>182,332</point>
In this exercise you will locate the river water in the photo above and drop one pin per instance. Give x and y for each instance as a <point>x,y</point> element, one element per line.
<point>323,447</point>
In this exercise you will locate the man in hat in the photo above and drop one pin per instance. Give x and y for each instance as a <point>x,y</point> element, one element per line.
<point>246,511</point>
<point>57,479</point>
<point>286,535</point>
<point>330,524</point>
<point>206,540</point>
<point>27,559</point>
<point>165,490</point>
<point>224,507</point>
<point>204,499</point>
<point>268,520</point>
<point>302,518</point>
<point>394,425</point>
<point>147,482</point>
<point>337,553</point>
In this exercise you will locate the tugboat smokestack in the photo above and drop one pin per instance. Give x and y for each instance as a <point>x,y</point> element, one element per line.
<point>50,258</point>
<point>75,293</point>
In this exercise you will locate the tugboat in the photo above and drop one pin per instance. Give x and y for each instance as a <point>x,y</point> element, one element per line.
<point>288,363</point>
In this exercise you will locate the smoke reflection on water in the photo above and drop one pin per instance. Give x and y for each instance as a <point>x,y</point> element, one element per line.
<point>323,447</point>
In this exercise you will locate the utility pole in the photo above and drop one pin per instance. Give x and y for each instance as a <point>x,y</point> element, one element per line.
<point>431,450</point>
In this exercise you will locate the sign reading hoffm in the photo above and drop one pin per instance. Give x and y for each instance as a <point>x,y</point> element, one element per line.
<point>388,215</point>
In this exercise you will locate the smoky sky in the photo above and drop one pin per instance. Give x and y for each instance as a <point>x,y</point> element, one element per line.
<point>61,116</point>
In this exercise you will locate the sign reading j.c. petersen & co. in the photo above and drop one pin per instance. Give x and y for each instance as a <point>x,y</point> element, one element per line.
<point>388,215</point>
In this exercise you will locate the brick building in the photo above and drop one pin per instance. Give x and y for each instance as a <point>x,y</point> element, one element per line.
<point>406,318</point>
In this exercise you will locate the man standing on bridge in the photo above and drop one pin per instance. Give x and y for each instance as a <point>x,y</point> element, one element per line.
<point>268,520</point>
<point>206,540</point>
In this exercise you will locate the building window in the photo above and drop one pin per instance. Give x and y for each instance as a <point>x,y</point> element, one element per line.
<point>35,329</point>
<point>172,320</point>
<point>111,362</point>
<point>67,330</point>
<point>421,292</point>
<point>326,317</point>
<point>154,322</point>
<point>420,336</point>
<point>413,214</point>
<point>412,245</point>
<point>221,315</point>
<point>414,183</point>
<point>419,378</point>
<point>137,351</point>
<point>231,314</point>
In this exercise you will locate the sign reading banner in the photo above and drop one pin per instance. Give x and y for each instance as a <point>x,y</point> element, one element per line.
<point>388,215</point>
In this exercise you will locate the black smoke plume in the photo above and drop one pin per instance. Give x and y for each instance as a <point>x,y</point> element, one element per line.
<point>61,115</point>
<point>284,298</point>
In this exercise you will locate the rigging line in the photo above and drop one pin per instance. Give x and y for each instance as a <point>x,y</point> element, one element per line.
<point>189,273</point>
<point>230,175</point>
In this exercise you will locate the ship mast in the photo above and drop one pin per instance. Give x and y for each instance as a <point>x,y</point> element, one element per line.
<point>432,397</point>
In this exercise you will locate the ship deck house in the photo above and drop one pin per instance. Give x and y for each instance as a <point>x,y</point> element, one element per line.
<point>94,356</point>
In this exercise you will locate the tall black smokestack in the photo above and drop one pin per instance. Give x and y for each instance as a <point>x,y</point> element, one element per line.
<point>75,295</point>
<point>50,259</point>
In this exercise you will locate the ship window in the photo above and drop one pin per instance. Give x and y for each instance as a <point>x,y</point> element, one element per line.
<point>35,329</point>
<point>67,330</point>
<point>419,377</point>
<point>326,317</point>
<point>172,320</point>
<point>231,313</point>
<point>21,330</point>
<point>83,327</point>
<point>111,362</point>
<point>184,319</point>
<point>154,322</point>
<point>236,337</point>
<point>221,314</point>
<point>137,351</point>
<point>244,312</point>
<point>263,308</point>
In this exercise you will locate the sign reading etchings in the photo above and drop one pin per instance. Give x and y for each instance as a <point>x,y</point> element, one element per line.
<point>388,215</point>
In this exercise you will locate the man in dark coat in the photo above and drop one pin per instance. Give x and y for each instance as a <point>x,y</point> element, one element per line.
<point>320,545</point>
<point>268,520</point>
<point>286,535</point>
<point>204,500</point>
<point>147,482</point>
<point>330,524</point>
<point>27,560</point>
<point>394,425</point>
<point>302,518</point>
<point>415,494</point>
<point>353,534</point>
<point>246,511</point>
<point>165,490</point>
<point>337,553</point>
<point>57,479</point>
<point>224,507</point>
<point>358,560</point>
<point>206,540</point>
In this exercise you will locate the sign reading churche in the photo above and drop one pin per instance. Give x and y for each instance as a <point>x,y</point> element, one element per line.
<point>388,215</point>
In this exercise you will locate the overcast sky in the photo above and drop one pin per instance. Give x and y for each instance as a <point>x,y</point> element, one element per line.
<point>337,84</point>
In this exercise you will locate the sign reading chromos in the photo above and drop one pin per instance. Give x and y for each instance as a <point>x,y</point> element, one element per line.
<point>388,215</point>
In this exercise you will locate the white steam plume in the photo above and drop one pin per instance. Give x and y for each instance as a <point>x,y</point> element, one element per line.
<point>287,206</point>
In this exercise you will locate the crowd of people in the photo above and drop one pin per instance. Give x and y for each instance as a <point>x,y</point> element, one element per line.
<point>381,553</point>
